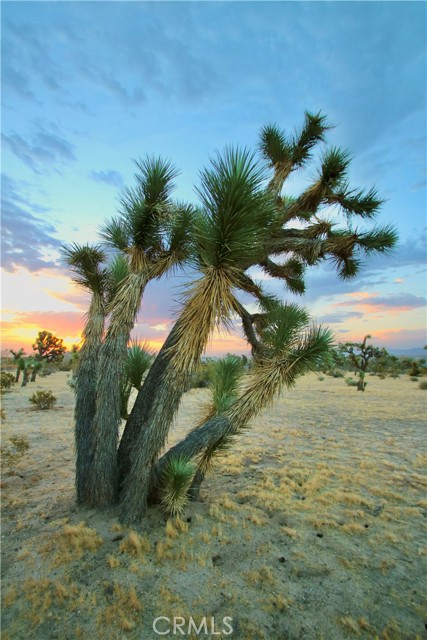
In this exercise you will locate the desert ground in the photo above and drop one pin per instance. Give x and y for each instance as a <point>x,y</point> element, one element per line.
<point>313,526</point>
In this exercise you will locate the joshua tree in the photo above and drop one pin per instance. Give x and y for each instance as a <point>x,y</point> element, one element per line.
<point>48,347</point>
<point>360,354</point>
<point>244,221</point>
<point>37,365</point>
<point>17,356</point>
<point>153,232</point>
<point>25,365</point>
<point>244,225</point>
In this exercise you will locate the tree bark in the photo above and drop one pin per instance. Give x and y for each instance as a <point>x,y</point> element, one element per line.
<point>193,445</point>
<point>103,473</point>
<point>85,378</point>
<point>147,430</point>
<point>24,378</point>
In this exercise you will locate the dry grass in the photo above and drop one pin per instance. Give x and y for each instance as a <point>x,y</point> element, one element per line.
<point>315,518</point>
<point>135,545</point>
<point>71,542</point>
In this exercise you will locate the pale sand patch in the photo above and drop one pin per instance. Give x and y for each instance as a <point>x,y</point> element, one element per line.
<point>313,526</point>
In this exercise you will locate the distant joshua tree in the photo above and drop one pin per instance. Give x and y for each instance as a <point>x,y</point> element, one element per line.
<point>360,354</point>
<point>17,357</point>
<point>48,348</point>
<point>243,221</point>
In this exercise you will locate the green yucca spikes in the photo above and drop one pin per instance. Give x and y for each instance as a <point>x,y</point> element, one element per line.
<point>177,476</point>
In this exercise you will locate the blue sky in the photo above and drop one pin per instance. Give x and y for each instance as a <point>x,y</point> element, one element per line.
<point>89,86</point>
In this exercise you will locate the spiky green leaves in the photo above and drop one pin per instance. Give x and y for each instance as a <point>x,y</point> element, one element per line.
<point>177,476</point>
<point>85,261</point>
<point>285,153</point>
<point>118,270</point>
<point>138,361</point>
<point>237,212</point>
<point>155,180</point>
<point>356,201</point>
<point>293,347</point>
<point>274,145</point>
<point>225,375</point>
<point>144,208</point>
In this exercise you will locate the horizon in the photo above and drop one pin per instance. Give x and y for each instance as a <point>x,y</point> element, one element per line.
<point>87,87</point>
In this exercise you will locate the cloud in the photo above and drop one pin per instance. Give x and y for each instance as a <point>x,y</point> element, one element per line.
<point>399,338</point>
<point>26,239</point>
<point>374,303</point>
<point>45,149</point>
<point>338,318</point>
<point>109,176</point>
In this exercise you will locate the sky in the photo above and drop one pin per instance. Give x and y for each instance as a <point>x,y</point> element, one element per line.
<point>89,87</point>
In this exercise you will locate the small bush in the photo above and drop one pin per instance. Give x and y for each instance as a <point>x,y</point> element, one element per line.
<point>423,384</point>
<point>350,382</point>
<point>335,373</point>
<point>320,378</point>
<point>10,453</point>
<point>200,378</point>
<point>6,381</point>
<point>414,379</point>
<point>43,400</point>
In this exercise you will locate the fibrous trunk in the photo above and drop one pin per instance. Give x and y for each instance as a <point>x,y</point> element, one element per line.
<point>103,471</point>
<point>147,429</point>
<point>208,302</point>
<point>85,388</point>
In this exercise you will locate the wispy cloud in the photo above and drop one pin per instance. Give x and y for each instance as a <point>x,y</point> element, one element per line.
<point>338,318</point>
<point>374,303</point>
<point>26,238</point>
<point>45,149</point>
<point>109,176</point>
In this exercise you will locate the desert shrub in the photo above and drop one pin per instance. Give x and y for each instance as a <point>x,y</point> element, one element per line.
<point>350,382</point>
<point>200,378</point>
<point>14,450</point>
<point>65,366</point>
<point>414,379</point>
<point>335,373</point>
<point>320,378</point>
<point>43,400</point>
<point>47,370</point>
<point>423,384</point>
<point>6,381</point>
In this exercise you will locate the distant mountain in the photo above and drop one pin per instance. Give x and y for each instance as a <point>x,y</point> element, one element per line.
<point>409,353</point>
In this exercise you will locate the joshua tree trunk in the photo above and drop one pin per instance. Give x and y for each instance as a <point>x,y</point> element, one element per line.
<point>85,387</point>
<point>143,407</point>
<point>147,428</point>
<point>103,481</point>
<point>179,357</point>
<point>24,378</point>
<point>33,375</point>
<point>361,382</point>
<point>18,374</point>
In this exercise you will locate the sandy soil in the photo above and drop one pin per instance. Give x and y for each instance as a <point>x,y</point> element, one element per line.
<point>313,526</point>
